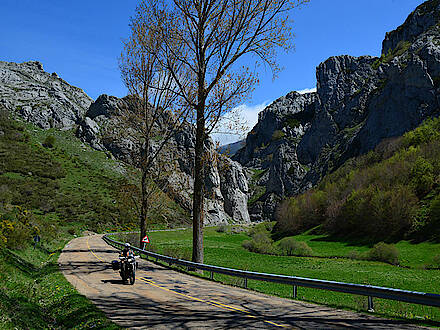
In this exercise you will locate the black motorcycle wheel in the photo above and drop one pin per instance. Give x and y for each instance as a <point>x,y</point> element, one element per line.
<point>123,273</point>
<point>132,277</point>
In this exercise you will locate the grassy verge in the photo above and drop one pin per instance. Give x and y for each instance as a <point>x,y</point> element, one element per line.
<point>35,295</point>
<point>224,249</point>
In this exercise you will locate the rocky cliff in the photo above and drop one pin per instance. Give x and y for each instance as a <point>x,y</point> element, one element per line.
<point>225,184</point>
<point>40,97</point>
<point>48,101</point>
<point>359,102</point>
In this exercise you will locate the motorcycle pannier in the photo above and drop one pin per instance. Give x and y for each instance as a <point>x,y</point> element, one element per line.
<point>115,264</point>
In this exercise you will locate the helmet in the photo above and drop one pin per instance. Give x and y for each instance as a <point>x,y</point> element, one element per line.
<point>127,245</point>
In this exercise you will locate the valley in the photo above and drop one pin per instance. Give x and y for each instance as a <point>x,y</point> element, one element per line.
<point>339,184</point>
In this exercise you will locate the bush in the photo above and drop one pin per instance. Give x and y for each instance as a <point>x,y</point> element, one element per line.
<point>434,264</point>
<point>260,243</point>
<point>423,176</point>
<point>221,228</point>
<point>434,214</point>
<point>428,131</point>
<point>49,141</point>
<point>436,261</point>
<point>290,247</point>
<point>265,227</point>
<point>355,255</point>
<point>295,215</point>
<point>384,252</point>
<point>277,135</point>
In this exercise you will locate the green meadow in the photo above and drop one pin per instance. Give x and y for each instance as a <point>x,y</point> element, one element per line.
<point>329,262</point>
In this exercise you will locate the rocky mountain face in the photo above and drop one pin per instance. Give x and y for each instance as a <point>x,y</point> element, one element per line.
<point>359,102</point>
<point>40,97</point>
<point>47,101</point>
<point>225,184</point>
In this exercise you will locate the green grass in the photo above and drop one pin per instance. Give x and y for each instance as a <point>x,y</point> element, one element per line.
<point>35,295</point>
<point>411,255</point>
<point>225,250</point>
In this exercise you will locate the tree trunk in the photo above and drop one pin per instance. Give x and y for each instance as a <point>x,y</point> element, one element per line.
<point>144,207</point>
<point>144,157</point>
<point>199,184</point>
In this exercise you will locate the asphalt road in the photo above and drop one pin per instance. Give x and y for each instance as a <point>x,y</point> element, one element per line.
<point>163,298</point>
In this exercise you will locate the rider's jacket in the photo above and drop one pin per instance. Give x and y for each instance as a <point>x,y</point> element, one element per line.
<point>127,253</point>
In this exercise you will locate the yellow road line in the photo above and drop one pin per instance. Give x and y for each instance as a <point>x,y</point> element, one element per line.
<point>211,302</point>
<point>88,245</point>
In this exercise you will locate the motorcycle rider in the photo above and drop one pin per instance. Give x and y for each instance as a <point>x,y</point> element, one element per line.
<point>127,251</point>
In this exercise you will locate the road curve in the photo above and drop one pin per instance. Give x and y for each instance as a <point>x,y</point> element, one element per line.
<point>165,299</point>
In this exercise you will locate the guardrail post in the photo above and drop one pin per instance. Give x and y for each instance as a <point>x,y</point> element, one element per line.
<point>245,282</point>
<point>370,304</point>
<point>212,275</point>
<point>295,292</point>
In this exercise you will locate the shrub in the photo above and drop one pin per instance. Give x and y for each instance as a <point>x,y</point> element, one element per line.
<point>436,261</point>
<point>15,235</point>
<point>260,243</point>
<point>303,212</point>
<point>428,131</point>
<point>384,252</point>
<point>422,176</point>
<point>293,123</point>
<point>355,255</point>
<point>49,141</point>
<point>237,230</point>
<point>265,227</point>
<point>221,228</point>
<point>377,196</point>
<point>290,247</point>
<point>277,135</point>
<point>434,210</point>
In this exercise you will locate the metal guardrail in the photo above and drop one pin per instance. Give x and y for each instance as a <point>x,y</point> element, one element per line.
<point>414,297</point>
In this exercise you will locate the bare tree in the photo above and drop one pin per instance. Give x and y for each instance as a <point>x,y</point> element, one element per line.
<point>212,49</point>
<point>154,112</point>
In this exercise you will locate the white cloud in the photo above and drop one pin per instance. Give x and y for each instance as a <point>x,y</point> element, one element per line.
<point>249,113</point>
<point>307,90</point>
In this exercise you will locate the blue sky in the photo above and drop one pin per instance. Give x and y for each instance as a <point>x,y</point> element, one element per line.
<point>81,40</point>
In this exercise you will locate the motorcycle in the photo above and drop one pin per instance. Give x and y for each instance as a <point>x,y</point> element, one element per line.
<point>128,266</point>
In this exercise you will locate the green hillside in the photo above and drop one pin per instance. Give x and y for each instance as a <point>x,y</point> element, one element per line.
<point>389,194</point>
<point>49,180</point>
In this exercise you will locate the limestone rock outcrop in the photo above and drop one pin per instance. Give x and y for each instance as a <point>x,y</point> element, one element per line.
<point>40,97</point>
<point>226,194</point>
